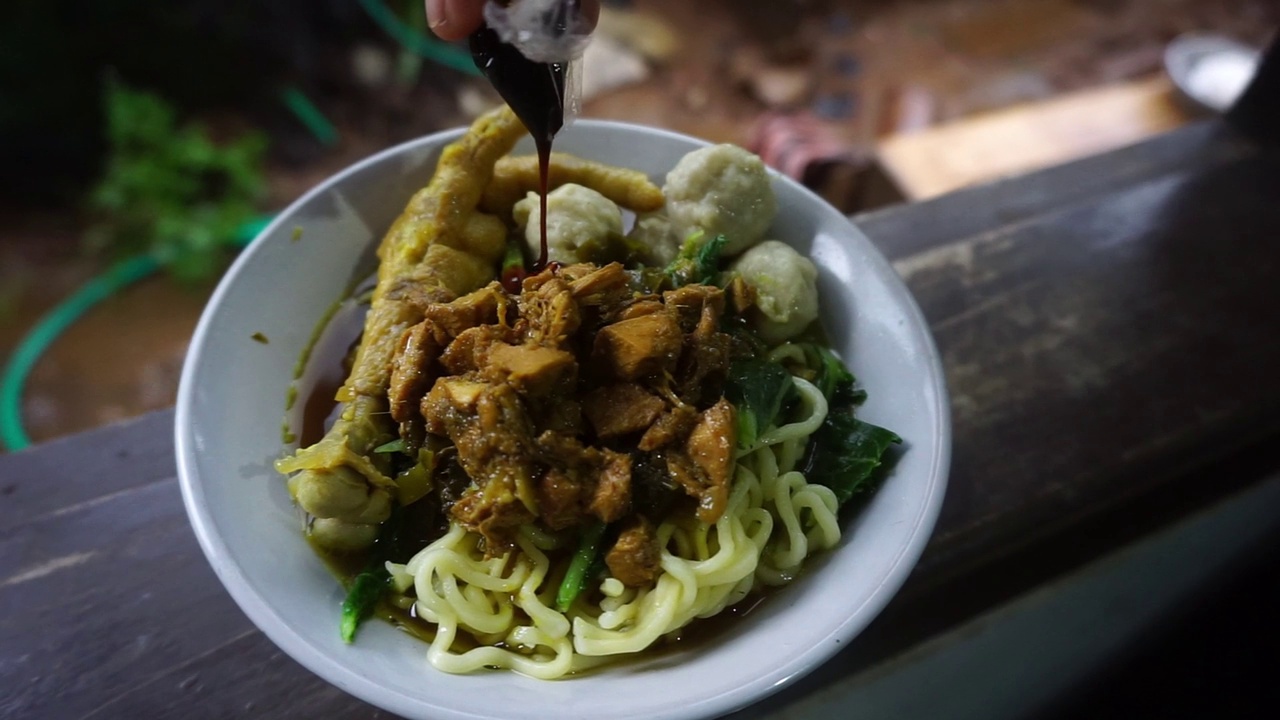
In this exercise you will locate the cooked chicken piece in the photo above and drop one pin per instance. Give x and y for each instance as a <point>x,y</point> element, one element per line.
<point>440,247</point>
<point>705,362</point>
<point>685,473</point>
<point>560,499</point>
<point>515,177</point>
<point>451,394</point>
<point>672,427</point>
<point>533,370</point>
<point>606,285</point>
<point>477,308</point>
<point>412,370</point>
<point>710,448</point>
<point>611,498</point>
<point>706,354</point>
<point>566,451</point>
<point>469,351</point>
<point>693,302</point>
<point>574,272</point>
<point>639,347</point>
<point>548,312</point>
<point>493,513</point>
<point>494,439</point>
<point>646,306</point>
<point>602,479</point>
<point>703,367</point>
<point>616,410</point>
<point>635,558</point>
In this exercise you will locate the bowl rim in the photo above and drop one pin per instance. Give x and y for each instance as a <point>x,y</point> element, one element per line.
<point>1184,52</point>
<point>267,620</point>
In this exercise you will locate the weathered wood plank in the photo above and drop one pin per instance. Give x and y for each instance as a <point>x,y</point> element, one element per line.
<point>246,677</point>
<point>1088,347</point>
<point>903,230</point>
<point>101,599</point>
<point>84,468</point>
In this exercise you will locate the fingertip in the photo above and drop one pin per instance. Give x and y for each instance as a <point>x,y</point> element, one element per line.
<point>454,19</point>
<point>591,11</point>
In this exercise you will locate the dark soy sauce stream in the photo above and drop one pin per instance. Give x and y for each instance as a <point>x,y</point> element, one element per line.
<point>535,92</point>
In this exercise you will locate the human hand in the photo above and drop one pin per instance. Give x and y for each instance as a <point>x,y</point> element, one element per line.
<point>456,19</point>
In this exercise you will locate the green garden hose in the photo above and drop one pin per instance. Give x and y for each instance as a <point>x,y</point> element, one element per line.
<point>13,436</point>
<point>50,327</point>
<point>428,46</point>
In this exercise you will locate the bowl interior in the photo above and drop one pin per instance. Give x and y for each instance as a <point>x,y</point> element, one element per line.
<point>232,403</point>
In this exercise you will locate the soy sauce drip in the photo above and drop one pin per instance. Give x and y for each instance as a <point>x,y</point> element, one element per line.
<point>535,91</point>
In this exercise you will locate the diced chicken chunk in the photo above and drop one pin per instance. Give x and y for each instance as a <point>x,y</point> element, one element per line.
<point>611,498</point>
<point>642,307</point>
<point>616,410</point>
<point>694,302</point>
<point>549,314</point>
<point>559,499</point>
<point>642,346</point>
<point>470,349</point>
<point>495,515</point>
<point>710,449</point>
<point>671,427</point>
<point>635,558</point>
<point>468,311</point>
<point>604,285</point>
<point>448,397</point>
<point>531,369</point>
<point>411,371</point>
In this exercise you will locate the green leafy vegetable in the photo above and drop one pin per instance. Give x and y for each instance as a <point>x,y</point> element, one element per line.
<point>575,579</point>
<point>394,446</point>
<point>372,584</point>
<point>830,372</point>
<point>698,261</point>
<point>413,484</point>
<point>169,191</point>
<point>845,452</point>
<point>362,598</point>
<point>757,389</point>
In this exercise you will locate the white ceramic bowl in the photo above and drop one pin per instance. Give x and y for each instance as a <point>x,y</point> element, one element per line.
<point>231,403</point>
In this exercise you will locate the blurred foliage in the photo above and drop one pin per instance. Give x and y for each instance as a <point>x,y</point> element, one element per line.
<point>169,190</point>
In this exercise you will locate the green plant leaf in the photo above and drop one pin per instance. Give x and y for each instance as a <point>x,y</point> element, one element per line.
<point>170,191</point>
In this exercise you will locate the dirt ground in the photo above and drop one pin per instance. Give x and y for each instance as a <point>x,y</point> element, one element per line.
<point>864,69</point>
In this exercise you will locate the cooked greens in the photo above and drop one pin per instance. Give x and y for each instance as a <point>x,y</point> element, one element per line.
<point>845,451</point>
<point>395,446</point>
<point>758,390</point>
<point>369,587</point>
<point>363,596</point>
<point>698,261</point>
<point>575,579</point>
